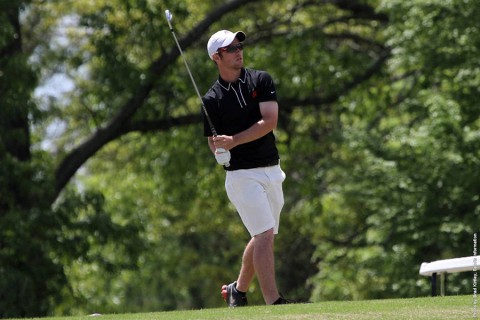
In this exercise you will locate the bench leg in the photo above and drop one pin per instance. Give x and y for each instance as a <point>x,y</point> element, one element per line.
<point>434,284</point>
<point>443,284</point>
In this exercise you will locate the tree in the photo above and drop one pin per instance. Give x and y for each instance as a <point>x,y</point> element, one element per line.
<point>123,78</point>
<point>406,187</point>
<point>377,103</point>
<point>22,176</point>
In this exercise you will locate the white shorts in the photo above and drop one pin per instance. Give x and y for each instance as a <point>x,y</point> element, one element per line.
<point>258,197</point>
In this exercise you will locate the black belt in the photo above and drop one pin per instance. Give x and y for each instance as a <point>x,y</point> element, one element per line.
<point>272,163</point>
<point>268,164</point>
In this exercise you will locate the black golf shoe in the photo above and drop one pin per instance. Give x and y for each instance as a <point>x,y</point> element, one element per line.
<point>282,300</point>
<point>232,296</point>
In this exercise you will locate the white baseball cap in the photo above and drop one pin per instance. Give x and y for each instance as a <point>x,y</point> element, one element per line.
<point>222,39</point>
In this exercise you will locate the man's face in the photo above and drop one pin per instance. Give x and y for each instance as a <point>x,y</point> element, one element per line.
<point>230,60</point>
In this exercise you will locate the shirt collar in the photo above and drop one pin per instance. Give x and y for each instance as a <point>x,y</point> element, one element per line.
<point>226,85</point>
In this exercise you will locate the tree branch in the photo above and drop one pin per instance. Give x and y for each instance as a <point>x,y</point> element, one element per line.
<point>287,105</point>
<point>360,10</point>
<point>161,125</point>
<point>319,100</point>
<point>120,124</point>
<point>114,128</point>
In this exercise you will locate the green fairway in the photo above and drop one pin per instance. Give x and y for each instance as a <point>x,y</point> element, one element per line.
<point>453,307</point>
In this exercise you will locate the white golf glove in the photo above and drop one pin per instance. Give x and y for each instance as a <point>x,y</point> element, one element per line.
<point>223,157</point>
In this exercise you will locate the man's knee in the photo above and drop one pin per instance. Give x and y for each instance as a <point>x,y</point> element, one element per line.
<point>265,238</point>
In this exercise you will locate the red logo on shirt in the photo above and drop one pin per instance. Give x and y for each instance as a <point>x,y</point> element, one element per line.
<point>254,94</point>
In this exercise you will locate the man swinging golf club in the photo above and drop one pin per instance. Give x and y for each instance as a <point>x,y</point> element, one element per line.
<point>242,106</point>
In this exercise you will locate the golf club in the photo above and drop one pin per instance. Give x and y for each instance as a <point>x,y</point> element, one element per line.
<point>169,16</point>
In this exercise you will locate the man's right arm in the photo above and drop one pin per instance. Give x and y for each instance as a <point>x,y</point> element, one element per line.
<point>269,112</point>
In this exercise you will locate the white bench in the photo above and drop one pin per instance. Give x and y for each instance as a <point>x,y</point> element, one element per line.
<point>443,267</point>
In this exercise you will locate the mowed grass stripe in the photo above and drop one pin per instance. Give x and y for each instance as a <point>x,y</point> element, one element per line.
<point>452,307</point>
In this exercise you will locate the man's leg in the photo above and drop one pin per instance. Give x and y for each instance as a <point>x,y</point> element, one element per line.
<point>235,293</point>
<point>262,209</point>
<point>247,272</point>
<point>264,264</point>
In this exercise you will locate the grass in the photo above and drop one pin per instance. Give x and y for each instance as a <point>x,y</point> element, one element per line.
<point>450,307</point>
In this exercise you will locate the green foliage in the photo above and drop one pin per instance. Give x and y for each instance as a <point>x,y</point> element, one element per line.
<point>92,243</point>
<point>407,187</point>
<point>24,288</point>
<point>378,133</point>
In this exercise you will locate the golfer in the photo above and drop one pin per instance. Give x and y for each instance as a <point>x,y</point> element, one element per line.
<point>242,105</point>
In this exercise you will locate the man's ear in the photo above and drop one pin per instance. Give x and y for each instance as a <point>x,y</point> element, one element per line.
<point>217,57</point>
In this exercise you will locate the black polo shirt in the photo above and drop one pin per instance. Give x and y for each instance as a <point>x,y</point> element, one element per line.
<point>234,107</point>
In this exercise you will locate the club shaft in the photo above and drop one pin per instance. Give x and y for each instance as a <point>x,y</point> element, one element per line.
<point>205,112</point>
<point>214,132</point>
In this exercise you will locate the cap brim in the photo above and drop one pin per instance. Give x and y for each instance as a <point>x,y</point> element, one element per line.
<point>240,35</point>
